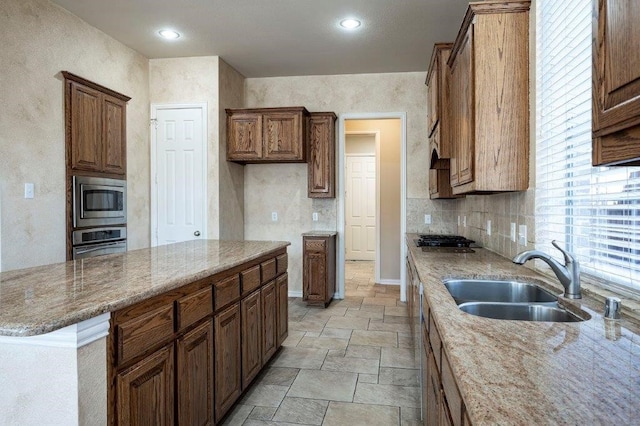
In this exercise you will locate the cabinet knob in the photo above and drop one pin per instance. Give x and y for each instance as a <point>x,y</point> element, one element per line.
<point>197,233</point>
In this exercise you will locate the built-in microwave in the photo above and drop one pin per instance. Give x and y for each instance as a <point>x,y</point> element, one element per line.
<point>99,201</point>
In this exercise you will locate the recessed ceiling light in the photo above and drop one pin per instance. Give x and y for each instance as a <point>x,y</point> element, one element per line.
<point>169,34</point>
<point>350,23</point>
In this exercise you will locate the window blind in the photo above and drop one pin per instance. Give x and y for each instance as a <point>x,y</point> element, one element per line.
<point>593,211</point>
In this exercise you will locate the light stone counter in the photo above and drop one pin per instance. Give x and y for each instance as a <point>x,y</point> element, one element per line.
<point>519,372</point>
<point>46,298</point>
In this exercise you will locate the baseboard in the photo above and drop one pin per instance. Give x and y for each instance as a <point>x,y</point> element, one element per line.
<point>293,293</point>
<point>389,282</point>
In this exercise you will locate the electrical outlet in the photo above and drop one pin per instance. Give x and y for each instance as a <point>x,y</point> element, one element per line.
<point>458,220</point>
<point>488,227</point>
<point>274,216</point>
<point>314,216</point>
<point>427,219</point>
<point>522,235</point>
<point>28,190</point>
<point>464,221</point>
<point>513,232</point>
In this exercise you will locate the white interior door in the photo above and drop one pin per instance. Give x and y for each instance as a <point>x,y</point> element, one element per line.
<point>180,165</point>
<point>360,200</point>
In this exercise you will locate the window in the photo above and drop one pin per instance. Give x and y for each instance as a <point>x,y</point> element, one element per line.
<point>593,211</point>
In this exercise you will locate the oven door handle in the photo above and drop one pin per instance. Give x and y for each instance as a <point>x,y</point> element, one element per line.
<point>100,247</point>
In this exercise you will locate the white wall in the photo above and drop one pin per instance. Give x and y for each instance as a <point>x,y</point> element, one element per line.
<point>40,39</point>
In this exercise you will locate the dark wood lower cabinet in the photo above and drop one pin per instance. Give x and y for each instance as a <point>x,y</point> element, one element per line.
<point>227,358</point>
<point>269,323</point>
<point>318,268</point>
<point>146,390</point>
<point>195,376</point>
<point>251,337</point>
<point>282,293</point>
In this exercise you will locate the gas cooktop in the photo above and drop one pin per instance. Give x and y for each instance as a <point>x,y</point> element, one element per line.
<point>428,241</point>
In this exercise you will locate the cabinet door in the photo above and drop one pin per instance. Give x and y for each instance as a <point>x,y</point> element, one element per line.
<point>195,376</point>
<point>616,83</point>
<point>228,357</point>
<point>322,157</point>
<point>244,137</point>
<point>462,110</point>
<point>283,136</point>
<point>269,322</point>
<point>314,270</point>
<point>85,128</point>
<point>145,391</point>
<point>114,136</point>
<point>432,407</point>
<point>251,337</point>
<point>432,98</point>
<point>282,321</point>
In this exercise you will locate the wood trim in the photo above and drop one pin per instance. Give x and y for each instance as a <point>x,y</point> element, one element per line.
<point>231,111</point>
<point>73,77</point>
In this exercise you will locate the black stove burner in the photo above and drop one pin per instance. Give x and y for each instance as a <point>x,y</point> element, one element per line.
<point>443,241</point>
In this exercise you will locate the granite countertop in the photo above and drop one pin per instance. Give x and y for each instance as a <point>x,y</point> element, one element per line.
<point>520,372</point>
<point>46,298</point>
<point>319,234</point>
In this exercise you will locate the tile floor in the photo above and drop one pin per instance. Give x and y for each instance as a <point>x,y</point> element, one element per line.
<point>349,364</point>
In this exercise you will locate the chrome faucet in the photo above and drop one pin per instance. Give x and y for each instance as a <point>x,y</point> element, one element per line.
<point>568,274</point>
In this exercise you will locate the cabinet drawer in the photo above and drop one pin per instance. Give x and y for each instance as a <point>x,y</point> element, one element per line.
<point>250,279</point>
<point>192,308</point>
<point>226,291</point>
<point>434,339</point>
<point>315,245</point>
<point>282,263</point>
<point>268,270</point>
<point>451,391</point>
<point>141,333</point>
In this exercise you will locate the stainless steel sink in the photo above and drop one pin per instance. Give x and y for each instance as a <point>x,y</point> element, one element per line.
<point>519,311</point>
<point>468,290</point>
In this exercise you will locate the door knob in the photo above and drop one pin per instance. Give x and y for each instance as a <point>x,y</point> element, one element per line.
<point>197,233</point>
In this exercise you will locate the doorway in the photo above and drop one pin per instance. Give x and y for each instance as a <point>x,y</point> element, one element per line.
<point>389,130</point>
<point>178,173</point>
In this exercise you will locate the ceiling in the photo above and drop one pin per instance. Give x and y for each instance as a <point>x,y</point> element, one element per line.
<point>266,38</point>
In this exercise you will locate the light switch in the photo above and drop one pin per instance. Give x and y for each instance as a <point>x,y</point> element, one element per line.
<point>488,227</point>
<point>427,219</point>
<point>274,216</point>
<point>513,232</point>
<point>522,235</point>
<point>314,216</point>
<point>464,221</point>
<point>29,190</point>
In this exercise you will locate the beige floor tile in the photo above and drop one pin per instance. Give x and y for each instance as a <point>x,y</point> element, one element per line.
<point>374,338</point>
<point>277,376</point>
<point>311,334</point>
<point>409,413</point>
<point>299,358</point>
<point>293,338</point>
<point>348,323</point>
<point>352,365</point>
<point>384,326</point>
<point>262,413</point>
<point>329,385</point>
<point>338,333</point>
<point>350,302</point>
<point>369,308</point>
<point>366,352</point>
<point>255,422</point>
<point>319,313</point>
<point>398,311</point>
<point>238,415</point>
<point>399,396</point>
<point>323,343</point>
<point>341,414</point>
<point>336,352</point>
<point>398,358</point>
<point>307,325</point>
<point>392,319</point>
<point>367,378</point>
<point>399,376</point>
<point>384,301</point>
<point>364,293</point>
<point>405,341</point>
<point>301,410</point>
<point>264,395</point>
<point>361,313</point>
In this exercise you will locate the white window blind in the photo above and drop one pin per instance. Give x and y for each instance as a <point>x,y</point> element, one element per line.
<point>593,211</point>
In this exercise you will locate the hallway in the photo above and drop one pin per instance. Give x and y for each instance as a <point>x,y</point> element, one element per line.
<point>349,364</point>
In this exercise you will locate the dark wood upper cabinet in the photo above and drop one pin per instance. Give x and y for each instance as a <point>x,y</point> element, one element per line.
<point>96,136</point>
<point>267,135</point>
<point>616,83</point>
<point>322,155</point>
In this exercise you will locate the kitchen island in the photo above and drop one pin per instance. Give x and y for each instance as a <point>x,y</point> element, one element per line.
<point>520,372</point>
<point>68,330</point>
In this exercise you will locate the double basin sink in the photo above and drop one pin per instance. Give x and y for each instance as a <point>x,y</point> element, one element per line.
<point>507,300</point>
